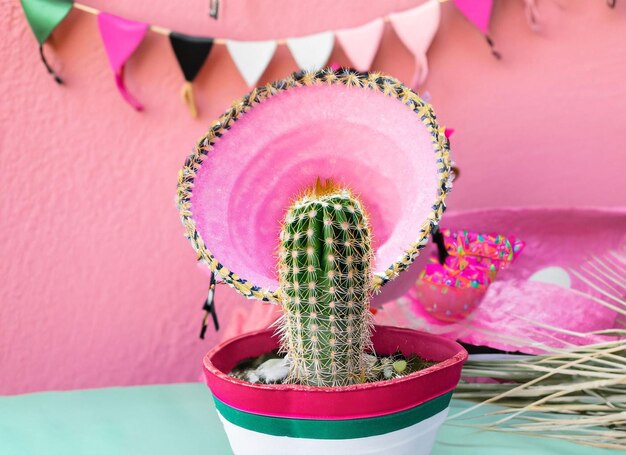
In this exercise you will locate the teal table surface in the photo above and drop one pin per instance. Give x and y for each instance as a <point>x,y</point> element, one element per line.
<point>181,419</point>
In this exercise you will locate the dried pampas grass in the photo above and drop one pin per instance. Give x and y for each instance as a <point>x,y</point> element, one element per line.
<point>573,393</point>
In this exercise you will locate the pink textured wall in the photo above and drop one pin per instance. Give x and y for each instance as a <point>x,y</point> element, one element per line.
<point>97,284</point>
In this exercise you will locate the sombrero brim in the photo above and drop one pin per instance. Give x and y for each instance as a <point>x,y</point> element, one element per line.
<point>551,294</point>
<point>365,131</point>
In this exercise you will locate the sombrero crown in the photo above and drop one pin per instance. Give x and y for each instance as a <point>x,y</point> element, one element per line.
<point>365,131</point>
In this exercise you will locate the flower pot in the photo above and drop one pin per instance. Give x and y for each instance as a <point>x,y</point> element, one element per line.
<point>397,416</point>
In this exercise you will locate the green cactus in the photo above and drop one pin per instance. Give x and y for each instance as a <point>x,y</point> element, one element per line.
<point>325,274</point>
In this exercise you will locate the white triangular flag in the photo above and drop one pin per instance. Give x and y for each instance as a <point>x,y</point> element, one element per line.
<point>361,43</point>
<point>416,28</point>
<point>312,52</point>
<point>251,58</point>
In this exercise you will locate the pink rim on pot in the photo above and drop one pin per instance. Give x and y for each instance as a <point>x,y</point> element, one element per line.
<point>349,402</point>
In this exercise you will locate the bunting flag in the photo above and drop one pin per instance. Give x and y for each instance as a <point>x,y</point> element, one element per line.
<point>313,51</point>
<point>478,12</point>
<point>44,16</point>
<point>361,43</point>
<point>121,37</point>
<point>191,53</point>
<point>416,29</point>
<point>251,58</point>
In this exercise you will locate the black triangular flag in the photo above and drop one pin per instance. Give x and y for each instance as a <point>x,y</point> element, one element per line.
<point>191,53</point>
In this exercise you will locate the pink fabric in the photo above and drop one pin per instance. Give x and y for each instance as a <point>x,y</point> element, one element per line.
<point>478,12</point>
<point>121,38</point>
<point>336,403</point>
<point>361,43</point>
<point>246,183</point>
<point>416,29</point>
<point>554,238</point>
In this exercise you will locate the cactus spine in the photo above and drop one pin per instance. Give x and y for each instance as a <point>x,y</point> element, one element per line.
<point>325,273</point>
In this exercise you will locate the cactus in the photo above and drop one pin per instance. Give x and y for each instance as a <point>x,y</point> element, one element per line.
<point>325,274</point>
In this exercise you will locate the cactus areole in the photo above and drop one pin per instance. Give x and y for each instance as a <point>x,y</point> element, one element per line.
<point>325,274</point>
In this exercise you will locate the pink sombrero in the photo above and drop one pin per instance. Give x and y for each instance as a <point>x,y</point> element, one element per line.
<point>365,131</point>
<point>566,288</point>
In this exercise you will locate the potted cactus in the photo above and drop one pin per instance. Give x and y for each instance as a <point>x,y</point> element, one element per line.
<point>360,174</point>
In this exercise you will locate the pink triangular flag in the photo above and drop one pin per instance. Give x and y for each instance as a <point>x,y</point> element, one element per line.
<point>416,28</point>
<point>121,38</point>
<point>478,12</point>
<point>361,43</point>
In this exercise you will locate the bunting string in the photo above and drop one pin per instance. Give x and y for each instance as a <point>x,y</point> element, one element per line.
<point>221,41</point>
<point>55,76</point>
<point>415,27</point>
<point>186,94</point>
<point>532,15</point>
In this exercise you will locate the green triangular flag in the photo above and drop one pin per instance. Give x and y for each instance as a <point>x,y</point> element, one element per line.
<point>43,17</point>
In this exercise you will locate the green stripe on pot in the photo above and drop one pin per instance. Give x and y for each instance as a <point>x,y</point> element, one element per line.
<point>333,429</point>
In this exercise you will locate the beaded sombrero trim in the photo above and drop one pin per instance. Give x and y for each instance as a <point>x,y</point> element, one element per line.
<point>375,81</point>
